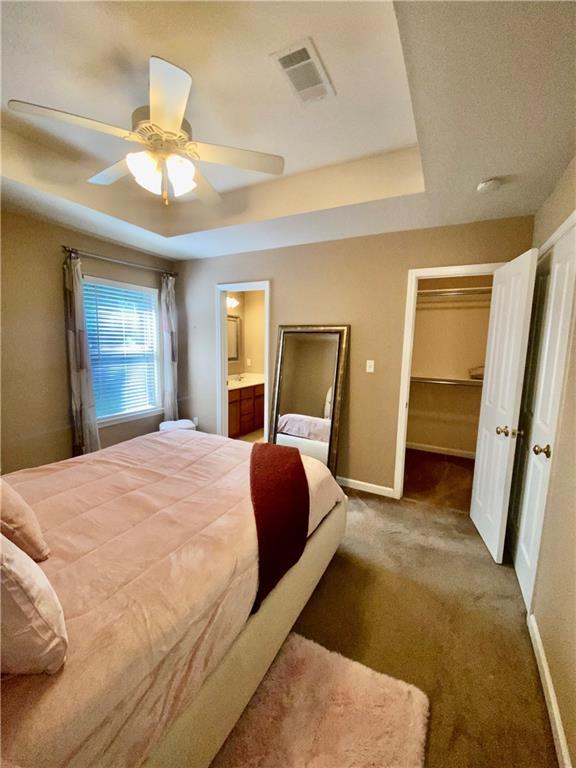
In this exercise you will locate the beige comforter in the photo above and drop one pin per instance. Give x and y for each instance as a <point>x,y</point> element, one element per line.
<point>154,558</point>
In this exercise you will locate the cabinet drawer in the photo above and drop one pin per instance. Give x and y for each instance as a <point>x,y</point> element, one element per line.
<point>247,407</point>
<point>233,395</point>
<point>259,389</point>
<point>246,392</point>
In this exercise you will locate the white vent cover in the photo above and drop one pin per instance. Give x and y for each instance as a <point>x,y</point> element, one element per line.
<point>304,69</point>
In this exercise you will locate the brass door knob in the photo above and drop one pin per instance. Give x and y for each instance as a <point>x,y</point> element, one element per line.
<point>502,431</point>
<point>547,451</point>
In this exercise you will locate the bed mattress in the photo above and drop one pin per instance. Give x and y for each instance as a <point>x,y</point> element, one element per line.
<point>154,558</point>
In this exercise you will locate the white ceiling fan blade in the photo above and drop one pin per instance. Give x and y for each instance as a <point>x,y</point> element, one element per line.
<point>204,190</point>
<point>169,91</point>
<point>240,158</point>
<point>67,117</point>
<point>111,174</point>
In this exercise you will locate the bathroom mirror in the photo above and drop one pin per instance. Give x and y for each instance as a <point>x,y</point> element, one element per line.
<point>233,326</point>
<point>308,388</point>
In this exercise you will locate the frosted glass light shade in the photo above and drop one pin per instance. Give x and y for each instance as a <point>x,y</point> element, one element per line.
<point>180,172</point>
<point>146,170</point>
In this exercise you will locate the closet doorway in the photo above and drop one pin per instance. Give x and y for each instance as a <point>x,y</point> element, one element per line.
<point>448,355</point>
<point>439,398</point>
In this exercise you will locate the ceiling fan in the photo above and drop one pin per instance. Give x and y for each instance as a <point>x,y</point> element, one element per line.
<point>166,163</point>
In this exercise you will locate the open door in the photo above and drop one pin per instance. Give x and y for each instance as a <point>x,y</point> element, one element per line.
<point>508,333</point>
<point>556,277</point>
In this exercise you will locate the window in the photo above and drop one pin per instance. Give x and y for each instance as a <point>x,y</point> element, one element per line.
<point>122,327</point>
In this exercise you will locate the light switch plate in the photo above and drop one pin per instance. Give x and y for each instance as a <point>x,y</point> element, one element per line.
<point>369,366</point>
<point>248,361</point>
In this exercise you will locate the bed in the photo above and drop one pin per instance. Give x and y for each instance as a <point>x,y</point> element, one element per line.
<point>163,653</point>
<point>309,434</point>
<point>308,427</point>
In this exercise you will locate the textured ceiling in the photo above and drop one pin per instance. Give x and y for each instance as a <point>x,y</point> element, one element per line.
<point>492,87</point>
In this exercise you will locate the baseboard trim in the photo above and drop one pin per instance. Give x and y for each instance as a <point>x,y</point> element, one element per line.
<point>360,485</point>
<point>560,741</point>
<point>446,451</point>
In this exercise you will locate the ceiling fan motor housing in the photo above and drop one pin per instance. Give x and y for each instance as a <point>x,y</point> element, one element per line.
<point>159,140</point>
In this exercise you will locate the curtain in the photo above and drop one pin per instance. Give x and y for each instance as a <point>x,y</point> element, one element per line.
<point>84,422</point>
<point>168,324</point>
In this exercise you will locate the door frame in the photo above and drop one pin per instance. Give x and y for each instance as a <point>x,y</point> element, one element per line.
<point>222,344</point>
<point>465,270</point>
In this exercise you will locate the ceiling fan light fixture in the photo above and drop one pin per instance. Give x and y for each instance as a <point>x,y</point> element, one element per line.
<point>146,170</point>
<point>180,172</point>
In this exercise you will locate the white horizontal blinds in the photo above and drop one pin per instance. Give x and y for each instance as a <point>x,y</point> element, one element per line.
<point>122,328</point>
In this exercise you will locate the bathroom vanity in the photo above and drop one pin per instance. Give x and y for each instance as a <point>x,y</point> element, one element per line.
<point>245,404</point>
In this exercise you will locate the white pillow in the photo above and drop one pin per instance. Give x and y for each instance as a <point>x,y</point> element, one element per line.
<point>33,634</point>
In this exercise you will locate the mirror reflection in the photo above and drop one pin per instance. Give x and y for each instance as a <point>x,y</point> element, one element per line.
<point>309,375</point>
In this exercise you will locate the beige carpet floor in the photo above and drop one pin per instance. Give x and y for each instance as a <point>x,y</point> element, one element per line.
<point>413,593</point>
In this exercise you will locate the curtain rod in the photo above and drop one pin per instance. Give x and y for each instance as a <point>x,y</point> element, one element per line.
<point>89,255</point>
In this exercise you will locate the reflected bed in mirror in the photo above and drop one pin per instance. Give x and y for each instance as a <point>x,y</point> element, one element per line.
<point>308,388</point>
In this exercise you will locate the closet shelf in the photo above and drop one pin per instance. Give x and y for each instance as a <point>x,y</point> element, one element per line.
<point>453,382</point>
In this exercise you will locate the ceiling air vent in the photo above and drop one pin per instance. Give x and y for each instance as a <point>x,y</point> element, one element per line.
<point>304,69</point>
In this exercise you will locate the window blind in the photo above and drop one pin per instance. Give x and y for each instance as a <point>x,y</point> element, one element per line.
<point>122,328</point>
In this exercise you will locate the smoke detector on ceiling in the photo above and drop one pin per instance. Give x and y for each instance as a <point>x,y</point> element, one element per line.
<point>302,66</point>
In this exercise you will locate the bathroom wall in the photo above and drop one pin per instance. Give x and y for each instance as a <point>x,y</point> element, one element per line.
<point>254,331</point>
<point>235,367</point>
<point>251,312</point>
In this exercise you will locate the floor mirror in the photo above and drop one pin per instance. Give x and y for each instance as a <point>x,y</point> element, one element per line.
<point>311,364</point>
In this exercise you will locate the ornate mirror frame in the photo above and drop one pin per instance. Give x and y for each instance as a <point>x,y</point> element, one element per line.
<point>343,333</point>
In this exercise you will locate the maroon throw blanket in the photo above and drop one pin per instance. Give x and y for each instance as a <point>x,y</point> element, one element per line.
<point>281,502</point>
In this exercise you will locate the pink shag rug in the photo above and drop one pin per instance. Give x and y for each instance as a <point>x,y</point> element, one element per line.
<point>317,709</point>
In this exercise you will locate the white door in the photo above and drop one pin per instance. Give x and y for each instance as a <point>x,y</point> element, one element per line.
<point>542,396</point>
<point>508,332</point>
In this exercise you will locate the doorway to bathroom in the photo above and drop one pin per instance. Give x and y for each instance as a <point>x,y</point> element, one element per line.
<point>242,360</point>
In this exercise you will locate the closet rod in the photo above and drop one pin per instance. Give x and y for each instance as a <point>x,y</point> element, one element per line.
<point>454,291</point>
<point>89,255</point>
<point>450,382</point>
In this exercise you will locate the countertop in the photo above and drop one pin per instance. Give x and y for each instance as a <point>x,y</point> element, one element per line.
<point>238,381</point>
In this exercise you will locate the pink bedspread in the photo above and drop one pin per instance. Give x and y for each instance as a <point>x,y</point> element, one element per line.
<point>308,427</point>
<point>154,558</point>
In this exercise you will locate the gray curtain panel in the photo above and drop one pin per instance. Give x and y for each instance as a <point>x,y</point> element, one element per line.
<point>84,422</point>
<point>169,332</point>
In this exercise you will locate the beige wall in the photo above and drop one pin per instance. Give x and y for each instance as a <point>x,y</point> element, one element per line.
<point>361,282</point>
<point>254,328</point>
<point>449,339</point>
<point>557,207</point>
<point>554,603</point>
<point>444,417</point>
<point>308,371</point>
<point>35,395</point>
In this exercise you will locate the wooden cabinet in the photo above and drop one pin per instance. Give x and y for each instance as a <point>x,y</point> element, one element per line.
<point>259,406</point>
<point>245,410</point>
<point>234,413</point>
